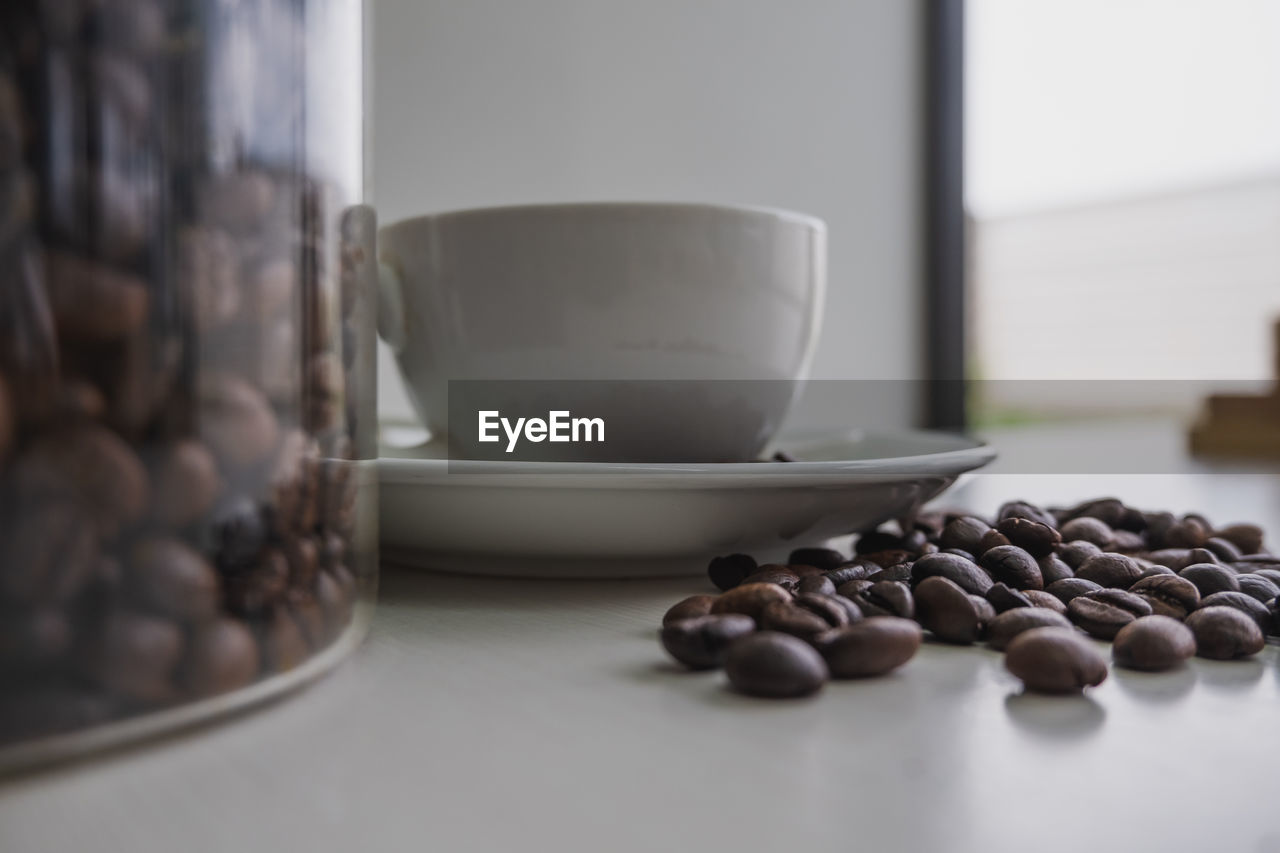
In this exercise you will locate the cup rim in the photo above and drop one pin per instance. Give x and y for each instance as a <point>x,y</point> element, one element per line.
<point>610,207</point>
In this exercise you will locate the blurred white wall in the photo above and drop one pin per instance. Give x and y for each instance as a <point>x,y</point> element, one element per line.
<point>806,104</point>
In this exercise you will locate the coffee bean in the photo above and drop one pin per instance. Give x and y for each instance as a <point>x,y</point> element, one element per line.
<point>168,578</point>
<point>222,656</point>
<point>819,584</point>
<point>1053,568</point>
<point>1030,512</point>
<point>1110,511</point>
<point>1210,578</point>
<point>728,572</point>
<point>134,656</point>
<point>774,573</point>
<point>1176,559</point>
<point>1103,613</point>
<point>788,618</point>
<point>900,573</point>
<point>1110,570</point>
<point>184,483</point>
<point>964,533</point>
<point>703,641</point>
<point>283,643</point>
<point>774,665</point>
<point>835,609</point>
<point>886,598</point>
<point>1222,549</point>
<point>1272,575</point>
<point>1074,554</point>
<point>1127,542</point>
<point>1011,623</point>
<point>991,539</point>
<point>1034,537</point>
<point>1154,571</point>
<point>303,556</point>
<point>236,421</point>
<point>1055,660</point>
<point>1246,537</point>
<point>948,612</point>
<point>871,647</point>
<point>854,571</point>
<point>236,534</point>
<point>1257,586</point>
<point>1190,532</point>
<point>964,573</point>
<point>92,302</point>
<point>252,591</point>
<point>1168,595</point>
<point>821,558</point>
<point>851,590</point>
<point>1013,566</point>
<point>1068,588</point>
<point>1153,643</point>
<point>689,608</point>
<point>49,550</point>
<point>1224,633</point>
<point>1041,598</point>
<point>1004,598</point>
<point>749,599</point>
<point>1087,529</point>
<point>875,541</point>
<point>1248,605</point>
<point>960,552</point>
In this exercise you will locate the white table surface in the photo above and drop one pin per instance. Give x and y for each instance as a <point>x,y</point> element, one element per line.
<point>497,715</point>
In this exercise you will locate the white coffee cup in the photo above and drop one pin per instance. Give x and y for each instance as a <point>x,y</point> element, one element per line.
<point>618,292</point>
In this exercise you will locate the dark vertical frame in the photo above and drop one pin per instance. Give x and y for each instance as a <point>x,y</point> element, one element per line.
<point>945,406</point>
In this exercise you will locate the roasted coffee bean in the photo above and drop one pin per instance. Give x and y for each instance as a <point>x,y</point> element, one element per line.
<point>1110,570</point>
<point>283,643</point>
<point>1127,542</point>
<point>1086,529</point>
<point>964,533</point>
<point>1210,578</point>
<point>875,541</point>
<point>727,572</point>
<point>1034,537</point>
<point>819,584</point>
<point>1224,633</point>
<point>1176,559</point>
<point>835,609</point>
<point>1055,660</point>
<point>1053,568</point>
<point>88,464</point>
<point>1168,595</point>
<point>92,302</point>
<point>948,612</point>
<point>888,559</point>
<point>703,641</point>
<point>1272,575</point>
<point>991,539</point>
<point>900,573</point>
<point>1003,597</point>
<point>790,619</point>
<point>854,571</point>
<point>1153,643</point>
<point>48,553</point>
<point>1257,586</point>
<point>960,552</point>
<point>886,598</point>
<point>1246,537</point>
<point>1190,532</point>
<point>166,577</point>
<point>134,656</point>
<point>1103,613</point>
<point>852,589</point>
<point>1041,598</point>
<point>821,558</point>
<point>221,656</point>
<point>1248,605</point>
<point>1110,511</point>
<point>749,599</point>
<point>1068,588</point>
<point>688,608</point>
<point>871,647</point>
<point>1154,572</point>
<point>236,422</point>
<point>1011,623</point>
<point>1075,553</point>
<point>184,483</point>
<point>1222,549</point>
<point>1013,566</point>
<point>774,665</point>
<point>964,573</point>
<point>1022,509</point>
<point>915,542</point>
<point>776,574</point>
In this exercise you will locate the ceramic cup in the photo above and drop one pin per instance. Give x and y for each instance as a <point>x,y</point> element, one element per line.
<point>688,328</point>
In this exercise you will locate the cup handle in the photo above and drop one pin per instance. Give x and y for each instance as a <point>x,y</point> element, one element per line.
<point>391,327</point>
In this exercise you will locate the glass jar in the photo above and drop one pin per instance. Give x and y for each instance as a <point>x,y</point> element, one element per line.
<point>187,497</point>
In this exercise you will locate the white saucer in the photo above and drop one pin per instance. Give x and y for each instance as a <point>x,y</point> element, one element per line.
<point>577,519</point>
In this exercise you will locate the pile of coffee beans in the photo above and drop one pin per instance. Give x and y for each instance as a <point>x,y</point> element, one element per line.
<point>1033,583</point>
<point>178,310</point>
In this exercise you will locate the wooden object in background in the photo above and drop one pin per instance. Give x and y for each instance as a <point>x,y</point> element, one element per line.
<point>1241,425</point>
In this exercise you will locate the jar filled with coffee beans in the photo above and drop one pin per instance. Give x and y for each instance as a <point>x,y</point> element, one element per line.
<point>187,499</point>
